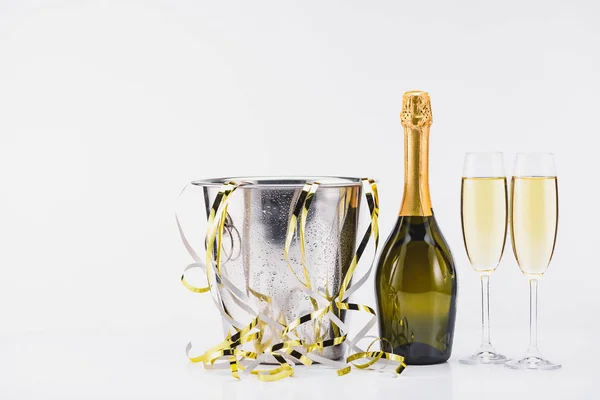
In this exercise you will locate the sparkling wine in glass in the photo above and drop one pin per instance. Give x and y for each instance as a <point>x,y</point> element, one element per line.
<point>534,223</point>
<point>484,212</point>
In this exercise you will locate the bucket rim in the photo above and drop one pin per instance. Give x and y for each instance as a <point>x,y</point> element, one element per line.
<point>262,182</point>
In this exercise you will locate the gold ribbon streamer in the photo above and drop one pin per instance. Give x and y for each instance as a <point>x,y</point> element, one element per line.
<point>191,287</point>
<point>292,347</point>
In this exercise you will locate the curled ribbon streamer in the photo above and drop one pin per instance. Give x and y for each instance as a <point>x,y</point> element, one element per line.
<point>223,195</point>
<point>373,228</point>
<point>372,199</point>
<point>299,214</point>
<point>215,228</point>
<point>292,347</point>
<point>191,287</point>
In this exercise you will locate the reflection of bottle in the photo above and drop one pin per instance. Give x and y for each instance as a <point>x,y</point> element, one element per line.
<point>415,281</point>
<point>443,388</point>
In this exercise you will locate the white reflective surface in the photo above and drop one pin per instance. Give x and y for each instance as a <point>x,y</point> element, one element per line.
<point>150,364</point>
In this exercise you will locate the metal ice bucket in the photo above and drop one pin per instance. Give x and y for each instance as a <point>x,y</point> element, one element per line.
<point>253,242</point>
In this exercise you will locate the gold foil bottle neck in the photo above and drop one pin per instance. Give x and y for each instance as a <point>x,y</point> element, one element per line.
<point>416,110</point>
<point>416,120</point>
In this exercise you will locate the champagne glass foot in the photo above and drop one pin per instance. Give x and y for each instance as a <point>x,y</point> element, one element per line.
<point>484,357</point>
<point>532,362</point>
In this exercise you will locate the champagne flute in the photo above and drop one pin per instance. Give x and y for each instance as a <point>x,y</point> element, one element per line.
<point>534,222</point>
<point>484,203</point>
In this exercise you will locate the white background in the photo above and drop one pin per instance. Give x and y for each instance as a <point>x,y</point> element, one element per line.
<point>107,109</point>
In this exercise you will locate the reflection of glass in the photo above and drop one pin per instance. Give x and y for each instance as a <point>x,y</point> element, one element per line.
<point>484,222</point>
<point>534,222</point>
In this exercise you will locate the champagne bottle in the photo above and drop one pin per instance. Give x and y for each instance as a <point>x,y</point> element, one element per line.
<point>415,282</point>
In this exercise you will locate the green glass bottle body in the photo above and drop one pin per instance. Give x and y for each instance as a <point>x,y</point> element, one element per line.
<point>415,281</point>
<point>416,291</point>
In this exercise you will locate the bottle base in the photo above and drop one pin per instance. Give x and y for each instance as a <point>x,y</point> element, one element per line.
<point>421,354</point>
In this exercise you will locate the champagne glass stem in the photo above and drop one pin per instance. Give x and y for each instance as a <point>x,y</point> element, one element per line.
<point>485,312</point>
<point>533,305</point>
